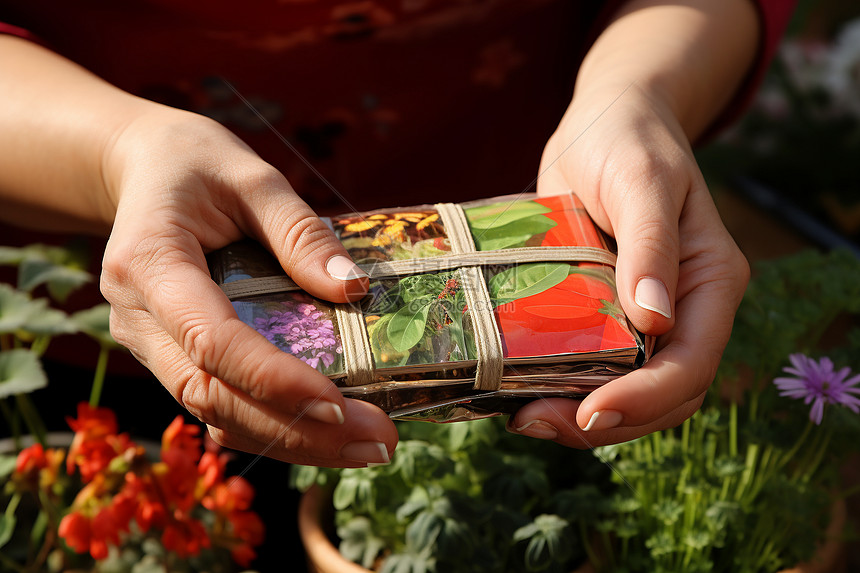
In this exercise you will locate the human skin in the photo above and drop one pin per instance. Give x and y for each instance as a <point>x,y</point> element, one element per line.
<point>623,147</point>
<point>80,155</point>
<point>170,186</point>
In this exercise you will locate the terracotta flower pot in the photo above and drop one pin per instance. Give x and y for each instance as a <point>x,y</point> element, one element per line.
<point>323,556</point>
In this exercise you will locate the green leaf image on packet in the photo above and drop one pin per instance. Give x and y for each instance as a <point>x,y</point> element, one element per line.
<point>473,309</point>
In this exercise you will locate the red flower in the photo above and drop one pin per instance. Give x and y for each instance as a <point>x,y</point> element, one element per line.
<point>94,534</point>
<point>247,527</point>
<point>37,467</point>
<point>148,511</point>
<point>75,530</point>
<point>182,437</point>
<point>95,443</point>
<point>150,514</point>
<point>185,536</point>
<point>31,459</point>
<point>227,498</point>
<point>121,486</point>
<point>105,531</point>
<point>211,471</point>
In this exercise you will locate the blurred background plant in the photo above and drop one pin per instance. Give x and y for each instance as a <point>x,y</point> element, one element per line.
<point>95,499</point>
<point>463,497</point>
<point>747,484</point>
<point>802,132</point>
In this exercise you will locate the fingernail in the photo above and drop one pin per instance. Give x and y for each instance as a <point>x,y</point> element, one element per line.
<point>538,429</point>
<point>343,268</point>
<point>651,294</point>
<point>367,452</point>
<point>603,420</point>
<point>322,411</point>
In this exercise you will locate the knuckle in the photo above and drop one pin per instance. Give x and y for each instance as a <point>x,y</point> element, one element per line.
<point>740,267</point>
<point>294,440</point>
<point>221,437</point>
<point>131,265</point>
<point>199,399</point>
<point>200,342</point>
<point>303,238</point>
<point>119,328</point>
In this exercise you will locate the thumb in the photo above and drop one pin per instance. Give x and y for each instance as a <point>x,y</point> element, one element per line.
<point>307,248</point>
<point>646,230</point>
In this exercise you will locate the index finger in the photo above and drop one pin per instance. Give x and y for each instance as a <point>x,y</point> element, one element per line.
<point>172,283</point>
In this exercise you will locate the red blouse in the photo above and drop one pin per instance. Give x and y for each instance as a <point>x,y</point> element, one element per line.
<point>393,101</point>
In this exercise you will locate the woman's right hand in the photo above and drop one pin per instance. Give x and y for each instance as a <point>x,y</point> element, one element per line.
<point>183,185</point>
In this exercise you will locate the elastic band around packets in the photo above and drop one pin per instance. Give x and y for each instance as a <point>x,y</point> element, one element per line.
<point>393,269</point>
<point>357,356</point>
<point>488,342</point>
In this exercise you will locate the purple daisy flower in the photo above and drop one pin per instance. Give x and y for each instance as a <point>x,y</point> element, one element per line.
<point>818,383</point>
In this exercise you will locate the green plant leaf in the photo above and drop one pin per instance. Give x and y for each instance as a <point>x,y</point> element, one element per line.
<point>303,477</point>
<point>356,490</point>
<point>16,308</point>
<point>514,234</point>
<point>424,529</point>
<point>60,269</point>
<point>7,528</point>
<point>37,533</point>
<point>49,322</point>
<point>60,280</point>
<point>419,287</point>
<point>7,465</point>
<point>384,354</point>
<point>409,562</point>
<point>358,542</point>
<point>95,322</point>
<point>418,500</point>
<point>407,325</point>
<point>12,256</point>
<point>525,280</point>
<point>500,214</point>
<point>547,541</point>
<point>20,372</point>
<point>661,543</point>
<point>18,312</point>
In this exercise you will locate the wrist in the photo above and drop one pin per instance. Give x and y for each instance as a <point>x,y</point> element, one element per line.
<point>150,136</point>
<point>678,54</point>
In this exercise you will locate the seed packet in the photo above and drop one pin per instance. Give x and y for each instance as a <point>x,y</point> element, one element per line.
<point>473,309</point>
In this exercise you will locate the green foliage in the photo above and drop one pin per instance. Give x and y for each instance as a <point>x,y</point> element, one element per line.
<point>28,325</point>
<point>420,318</point>
<point>95,322</point>
<point>20,372</point>
<point>60,269</point>
<point>507,225</point>
<point>21,315</point>
<point>526,280</point>
<point>461,497</point>
<point>744,485</point>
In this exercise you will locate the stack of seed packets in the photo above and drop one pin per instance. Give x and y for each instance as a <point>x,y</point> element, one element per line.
<point>474,309</point>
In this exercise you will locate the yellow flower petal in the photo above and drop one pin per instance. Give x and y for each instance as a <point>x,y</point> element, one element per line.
<point>407,216</point>
<point>360,226</point>
<point>395,230</point>
<point>426,221</point>
<point>381,240</point>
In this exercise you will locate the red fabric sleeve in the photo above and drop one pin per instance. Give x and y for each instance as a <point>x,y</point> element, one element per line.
<point>16,31</point>
<point>774,16</point>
